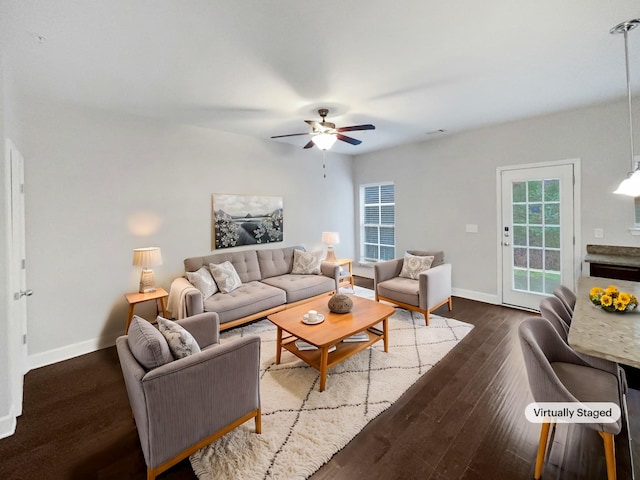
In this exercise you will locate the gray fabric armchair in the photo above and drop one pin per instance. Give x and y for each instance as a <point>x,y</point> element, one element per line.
<point>430,291</point>
<point>557,374</point>
<point>185,404</point>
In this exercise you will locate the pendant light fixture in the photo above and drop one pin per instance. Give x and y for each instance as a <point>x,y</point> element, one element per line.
<point>631,185</point>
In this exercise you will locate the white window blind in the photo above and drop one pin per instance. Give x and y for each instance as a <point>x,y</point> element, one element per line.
<point>378,222</point>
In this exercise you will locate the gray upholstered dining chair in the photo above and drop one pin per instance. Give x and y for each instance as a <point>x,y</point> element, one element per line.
<point>552,309</point>
<point>566,296</point>
<point>557,374</point>
<point>556,305</point>
<point>180,406</point>
<point>430,289</point>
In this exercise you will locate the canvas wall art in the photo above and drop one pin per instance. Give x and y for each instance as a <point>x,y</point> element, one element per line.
<point>246,220</point>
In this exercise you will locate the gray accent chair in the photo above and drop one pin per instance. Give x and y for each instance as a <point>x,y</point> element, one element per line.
<point>431,291</point>
<point>557,374</point>
<point>185,404</point>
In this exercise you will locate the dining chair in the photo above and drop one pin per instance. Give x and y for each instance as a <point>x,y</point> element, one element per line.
<point>551,309</point>
<point>557,374</point>
<point>556,305</point>
<point>566,296</point>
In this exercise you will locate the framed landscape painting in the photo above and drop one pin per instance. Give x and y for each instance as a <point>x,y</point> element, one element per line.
<point>246,220</point>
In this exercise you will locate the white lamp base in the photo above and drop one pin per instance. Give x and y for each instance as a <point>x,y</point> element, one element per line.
<point>147,281</point>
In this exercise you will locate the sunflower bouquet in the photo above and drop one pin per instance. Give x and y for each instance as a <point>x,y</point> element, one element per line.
<point>613,300</point>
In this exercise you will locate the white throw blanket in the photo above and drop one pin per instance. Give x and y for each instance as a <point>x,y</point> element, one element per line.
<point>177,304</point>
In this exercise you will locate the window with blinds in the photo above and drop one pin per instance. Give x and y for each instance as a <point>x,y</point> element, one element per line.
<point>378,222</point>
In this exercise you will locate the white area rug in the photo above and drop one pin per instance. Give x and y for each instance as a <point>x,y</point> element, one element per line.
<point>303,428</point>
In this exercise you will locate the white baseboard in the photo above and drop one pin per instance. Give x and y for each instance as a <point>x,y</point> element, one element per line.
<point>70,351</point>
<point>7,425</point>
<point>473,295</point>
<point>75,350</point>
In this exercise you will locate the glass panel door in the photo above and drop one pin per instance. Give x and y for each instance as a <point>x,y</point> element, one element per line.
<point>537,233</point>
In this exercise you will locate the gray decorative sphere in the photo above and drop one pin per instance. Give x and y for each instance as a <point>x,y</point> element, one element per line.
<point>340,303</point>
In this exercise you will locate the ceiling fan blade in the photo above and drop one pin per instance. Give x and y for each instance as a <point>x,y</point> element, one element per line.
<point>352,141</point>
<point>291,135</point>
<point>353,128</point>
<point>315,125</point>
<point>309,144</point>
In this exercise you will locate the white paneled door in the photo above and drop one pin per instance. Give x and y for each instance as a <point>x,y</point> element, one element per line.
<point>17,278</point>
<point>537,233</point>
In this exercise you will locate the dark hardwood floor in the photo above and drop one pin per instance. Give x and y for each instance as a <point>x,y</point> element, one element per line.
<point>464,419</point>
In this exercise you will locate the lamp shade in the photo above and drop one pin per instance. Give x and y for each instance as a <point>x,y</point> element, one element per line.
<point>324,141</point>
<point>147,257</point>
<point>330,238</point>
<point>630,186</point>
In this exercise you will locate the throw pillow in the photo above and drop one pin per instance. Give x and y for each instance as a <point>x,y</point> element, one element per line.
<point>203,281</point>
<point>225,276</point>
<point>414,264</point>
<point>181,342</point>
<point>147,344</point>
<point>306,263</point>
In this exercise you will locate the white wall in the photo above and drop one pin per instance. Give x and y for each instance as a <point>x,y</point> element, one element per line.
<point>444,184</point>
<point>99,184</point>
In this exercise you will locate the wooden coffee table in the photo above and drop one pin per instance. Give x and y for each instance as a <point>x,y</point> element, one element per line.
<point>364,315</point>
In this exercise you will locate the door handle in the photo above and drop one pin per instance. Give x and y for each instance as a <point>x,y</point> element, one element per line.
<point>22,293</point>
<point>506,244</point>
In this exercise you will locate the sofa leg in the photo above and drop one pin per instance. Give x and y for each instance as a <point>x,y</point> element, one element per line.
<point>426,317</point>
<point>450,303</point>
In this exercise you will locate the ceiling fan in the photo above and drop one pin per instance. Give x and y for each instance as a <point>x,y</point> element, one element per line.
<point>324,134</point>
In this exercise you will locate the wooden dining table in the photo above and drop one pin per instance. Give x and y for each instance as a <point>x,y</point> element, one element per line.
<point>611,335</point>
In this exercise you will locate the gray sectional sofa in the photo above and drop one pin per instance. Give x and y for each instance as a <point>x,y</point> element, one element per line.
<point>268,286</point>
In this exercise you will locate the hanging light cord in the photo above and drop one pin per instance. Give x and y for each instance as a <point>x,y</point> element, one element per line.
<point>627,27</point>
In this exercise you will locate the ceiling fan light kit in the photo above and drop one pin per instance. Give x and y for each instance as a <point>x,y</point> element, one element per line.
<point>324,134</point>
<point>631,185</point>
<point>324,141</point>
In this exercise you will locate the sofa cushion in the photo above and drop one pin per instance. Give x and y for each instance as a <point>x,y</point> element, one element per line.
<point>147,344</point>
<point>181,343</point>
<point>401,289</point>
<point>203,281</point>
<point>249,298</point>
<point>437,254</point>
<point>245,262</point>
<point>414,264</point>
<point>276,261</point>
<point>307,263</point>
<point>300,287</point>
<point>225,276</point>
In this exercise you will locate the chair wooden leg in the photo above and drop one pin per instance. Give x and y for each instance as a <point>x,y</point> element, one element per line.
<point>426,317</point>
<point>609,454</point>
<point>258,420</point>
<point>542,447</point>
<point>151,474</point>
<point>450,302</point>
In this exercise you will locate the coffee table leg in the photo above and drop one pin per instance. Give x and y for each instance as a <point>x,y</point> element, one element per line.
<point>385,332</point>
<point>324,360</point>
<point>278,345</point>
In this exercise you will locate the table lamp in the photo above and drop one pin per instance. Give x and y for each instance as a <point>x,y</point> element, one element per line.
<point>146,258</point>
<point>330,238</point>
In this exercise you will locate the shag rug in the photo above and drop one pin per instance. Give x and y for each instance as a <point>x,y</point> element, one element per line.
<point>302,428</point>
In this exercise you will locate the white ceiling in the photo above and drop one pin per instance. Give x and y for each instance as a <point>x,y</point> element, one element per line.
<point>261,67</point>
